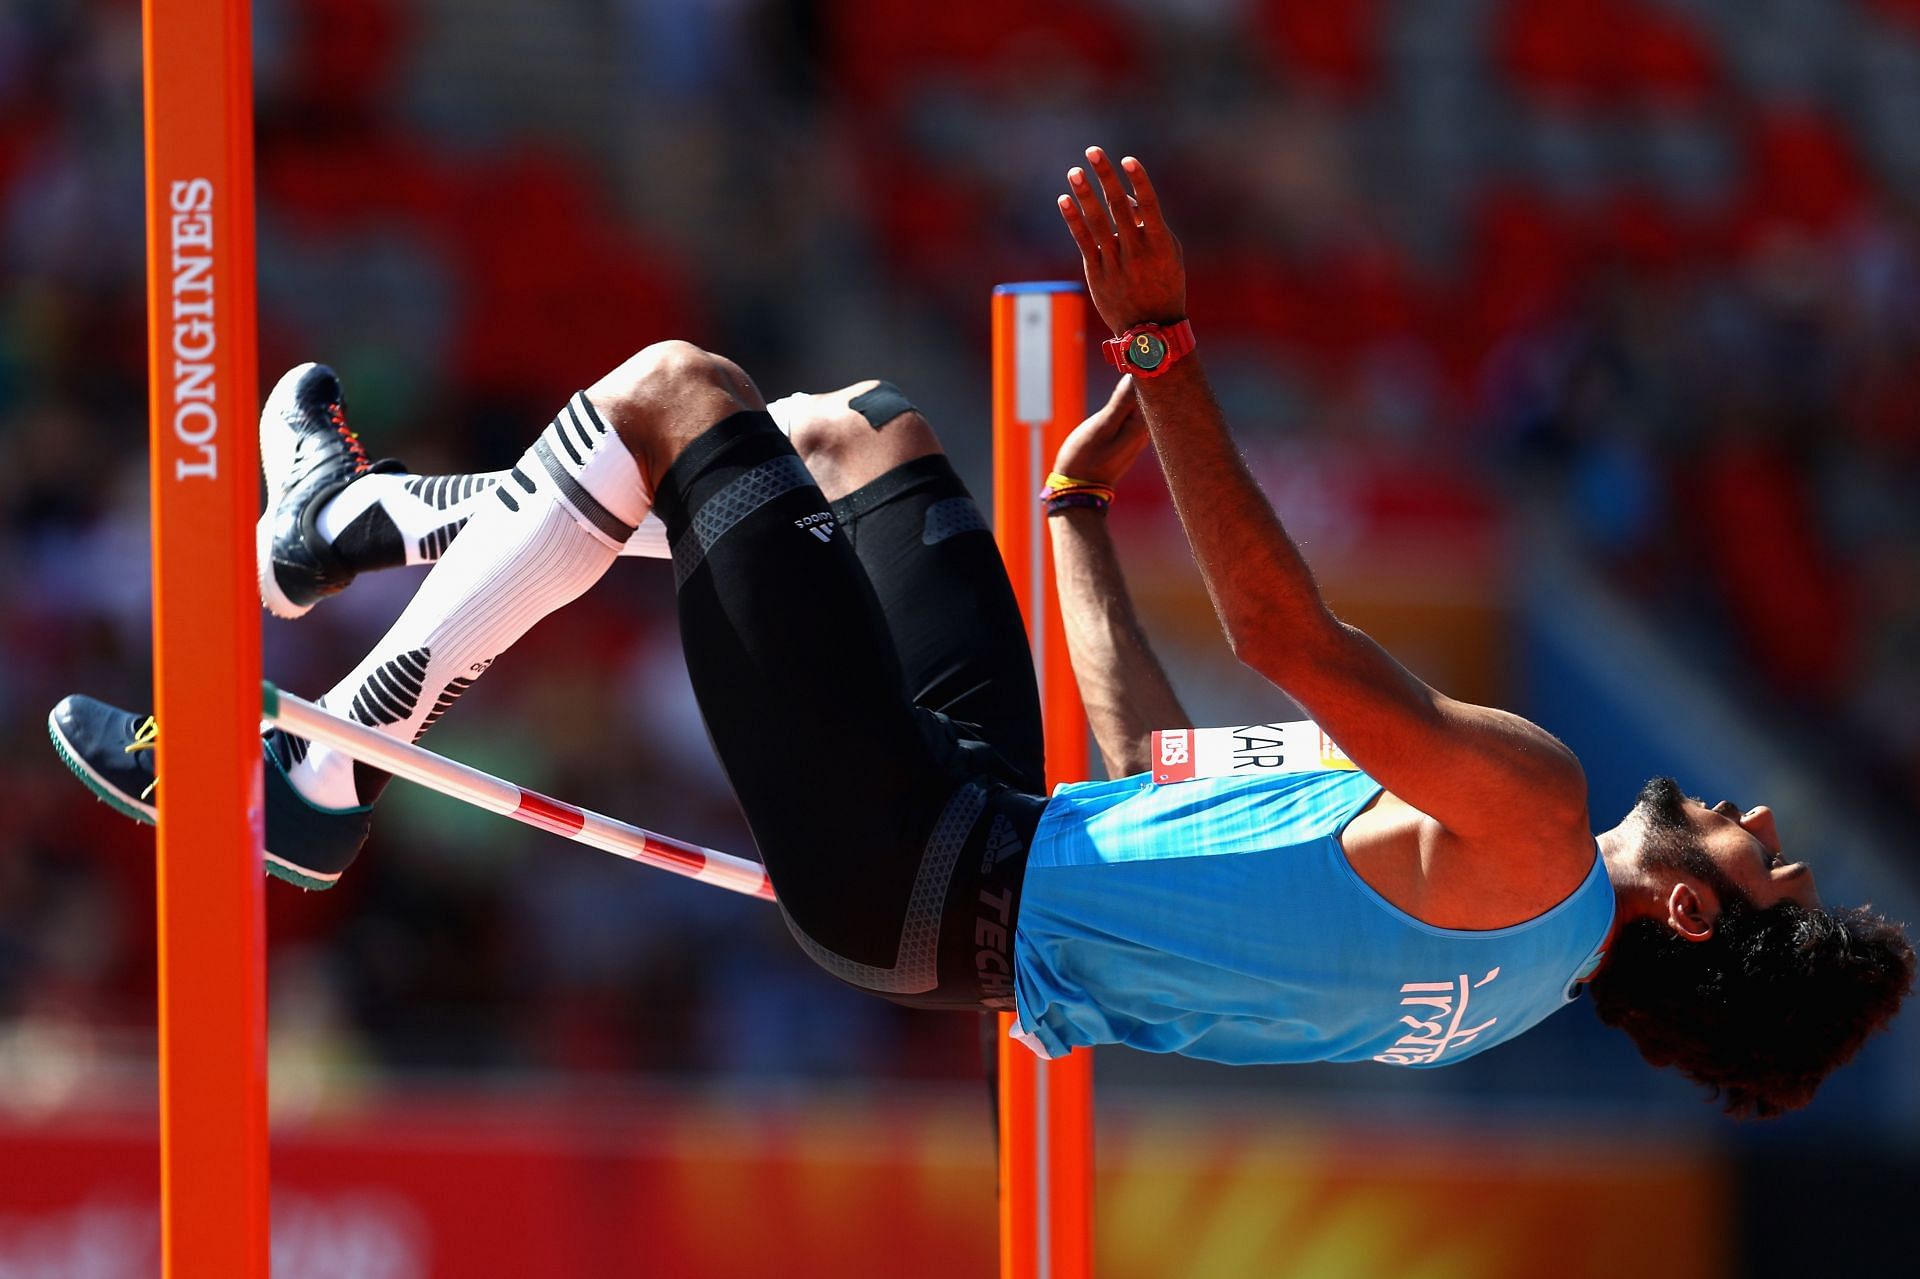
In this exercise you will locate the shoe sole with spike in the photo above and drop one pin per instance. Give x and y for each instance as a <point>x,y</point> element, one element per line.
<point>318,844</point>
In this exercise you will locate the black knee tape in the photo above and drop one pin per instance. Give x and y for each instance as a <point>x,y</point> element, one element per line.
<point>881,405</point>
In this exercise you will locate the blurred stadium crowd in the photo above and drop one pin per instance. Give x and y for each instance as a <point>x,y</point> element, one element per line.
<point>1648,269</point>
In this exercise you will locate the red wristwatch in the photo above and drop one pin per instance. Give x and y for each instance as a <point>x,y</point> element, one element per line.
<point>1148,350</point>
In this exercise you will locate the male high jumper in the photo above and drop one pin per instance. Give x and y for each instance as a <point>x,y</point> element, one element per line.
<point>835,579</point>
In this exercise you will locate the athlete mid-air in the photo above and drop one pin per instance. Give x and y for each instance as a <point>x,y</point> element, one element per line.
<point>834,576</point>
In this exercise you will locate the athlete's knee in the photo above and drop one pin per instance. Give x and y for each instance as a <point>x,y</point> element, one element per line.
<point>666,394</point>
<point>670,371</point>
<point>857,433</point>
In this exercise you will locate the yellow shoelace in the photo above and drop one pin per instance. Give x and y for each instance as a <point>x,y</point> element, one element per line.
<point>143,739</point>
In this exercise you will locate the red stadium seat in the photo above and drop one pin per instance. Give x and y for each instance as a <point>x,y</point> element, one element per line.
<point>1591,53</point>
<point>880,46</point>
<point>1332,44</point>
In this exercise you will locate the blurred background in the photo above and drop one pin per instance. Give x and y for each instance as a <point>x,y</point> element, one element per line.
<point>1578,342</point>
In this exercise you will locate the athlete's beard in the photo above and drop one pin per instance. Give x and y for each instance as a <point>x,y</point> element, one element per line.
<point>1671,842</point>
<point>1663,808</point>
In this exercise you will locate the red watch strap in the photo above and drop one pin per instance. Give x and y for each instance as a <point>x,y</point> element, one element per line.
<point>1178,337</point>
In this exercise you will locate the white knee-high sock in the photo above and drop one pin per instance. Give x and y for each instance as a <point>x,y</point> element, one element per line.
<point>425,514</point>
<point>425,511</point>
<point>539,539</point>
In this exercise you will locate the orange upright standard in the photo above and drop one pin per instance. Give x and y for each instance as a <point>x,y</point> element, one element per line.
<point>203,387</point>
<point>1046,1108</point>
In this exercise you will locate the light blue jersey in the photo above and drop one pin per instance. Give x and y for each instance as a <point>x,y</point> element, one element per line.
<point>1219,918</point>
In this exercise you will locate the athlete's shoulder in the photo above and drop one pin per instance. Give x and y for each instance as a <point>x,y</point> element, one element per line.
<point>1478,882</point>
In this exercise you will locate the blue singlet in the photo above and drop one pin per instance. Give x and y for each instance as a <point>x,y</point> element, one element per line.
<point>1219,918</point>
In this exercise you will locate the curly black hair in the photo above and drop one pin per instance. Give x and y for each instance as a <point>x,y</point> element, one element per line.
<point>1761,1012</point>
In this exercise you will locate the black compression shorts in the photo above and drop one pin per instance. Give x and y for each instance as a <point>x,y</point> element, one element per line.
<point>864,676</point>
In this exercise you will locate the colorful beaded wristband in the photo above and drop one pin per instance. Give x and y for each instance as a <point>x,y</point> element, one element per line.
<point>1063,493</point>
<point>1077,501</point>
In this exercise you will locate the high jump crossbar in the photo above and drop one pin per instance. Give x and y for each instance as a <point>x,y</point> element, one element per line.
<point>497,795</point>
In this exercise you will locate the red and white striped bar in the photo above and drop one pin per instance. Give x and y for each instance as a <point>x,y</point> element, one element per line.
<point>497,795</point>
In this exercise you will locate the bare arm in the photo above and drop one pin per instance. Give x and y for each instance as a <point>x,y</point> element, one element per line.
<point>1127,694</point>
<point>1124,688</point>
<point>1483,774</point>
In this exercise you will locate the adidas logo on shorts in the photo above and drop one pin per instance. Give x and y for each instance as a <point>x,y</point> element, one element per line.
<point>820,525</point>
<point>1002,842</point>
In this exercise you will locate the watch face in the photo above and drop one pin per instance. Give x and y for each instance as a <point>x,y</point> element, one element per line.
<point>1146,350</point>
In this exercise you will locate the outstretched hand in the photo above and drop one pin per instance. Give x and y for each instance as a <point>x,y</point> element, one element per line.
<point>1135,271</point>
<point>1103,447</point>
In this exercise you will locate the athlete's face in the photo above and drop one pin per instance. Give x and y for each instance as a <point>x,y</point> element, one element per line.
<point>1744,847</point>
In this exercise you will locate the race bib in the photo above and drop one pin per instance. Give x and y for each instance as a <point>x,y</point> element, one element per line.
<point>1182,754</point>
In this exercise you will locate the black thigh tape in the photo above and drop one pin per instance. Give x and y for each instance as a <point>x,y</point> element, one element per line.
<point>881,405</point>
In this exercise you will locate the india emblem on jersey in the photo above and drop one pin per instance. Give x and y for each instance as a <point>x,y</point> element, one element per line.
<point>1437,1022</point>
